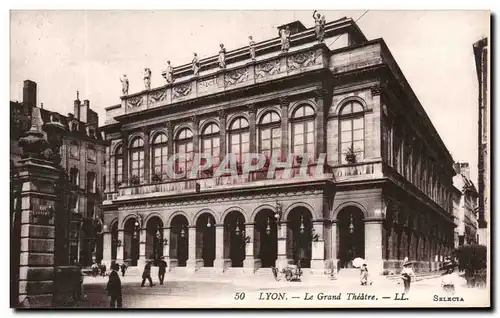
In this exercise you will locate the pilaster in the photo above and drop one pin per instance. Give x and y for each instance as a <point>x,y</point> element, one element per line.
<point>249,262</point>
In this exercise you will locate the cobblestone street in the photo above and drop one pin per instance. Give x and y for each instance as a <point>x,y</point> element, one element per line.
<point>184,292</point>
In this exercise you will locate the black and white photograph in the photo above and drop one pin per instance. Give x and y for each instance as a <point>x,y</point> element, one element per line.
<point>314,158</point>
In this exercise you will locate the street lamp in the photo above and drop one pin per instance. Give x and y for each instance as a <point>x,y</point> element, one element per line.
<point>183,233</point>
<point>351,225</point>
<point>208,222</point>
<point>301,224</point>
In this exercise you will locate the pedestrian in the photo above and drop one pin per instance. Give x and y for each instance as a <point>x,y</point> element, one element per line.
<point>123,267</point>
<point>407,274</point>
<point>146,274</point>
<point>364,274</point>
<point>162,268</point>
<point>114,287</point>
<point>451,280</point>
<point>103,270</point>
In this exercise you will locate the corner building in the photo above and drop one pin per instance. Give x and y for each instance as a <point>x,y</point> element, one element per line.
<point>388,198</point>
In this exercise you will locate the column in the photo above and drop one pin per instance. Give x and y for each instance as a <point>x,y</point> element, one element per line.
<point>191,262</point>
<point>320,95</point>
<point>219,248</point>
<point>318,248</point>
<point>147,154</point>
<point>249,262</point>
<point>106,249</point>
<point>195,123</point>
<point>282,262</point>
<point>166,247</point>
<point>223,148</point>
<point>253,128</point>
<point>333,243</point>
<point>142,248</point>
<point>125,157</point>
<point>284,102</point>
<point>170,138</point>
<point>119,246</point>
<point>373,245</point>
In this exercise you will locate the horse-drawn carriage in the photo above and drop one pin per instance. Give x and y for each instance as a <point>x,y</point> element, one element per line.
<point>291,273</point>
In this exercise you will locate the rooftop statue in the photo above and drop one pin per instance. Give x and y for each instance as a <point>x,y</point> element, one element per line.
<point>147,78</point>
<point>196,65</point>
<point>124,81</point>
<point>168,73</point>
<point>251,47</point>
<point>222,56</point>
<point>319,26</point>
<point>285,39</point>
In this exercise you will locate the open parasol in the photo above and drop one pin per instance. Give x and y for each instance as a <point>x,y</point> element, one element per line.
<point>358,262</point>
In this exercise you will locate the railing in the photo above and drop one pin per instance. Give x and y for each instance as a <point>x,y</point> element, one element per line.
<point>253,178</point>
<point>357,171</point>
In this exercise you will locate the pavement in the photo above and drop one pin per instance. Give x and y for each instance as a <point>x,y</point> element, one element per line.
<point>251,292</point>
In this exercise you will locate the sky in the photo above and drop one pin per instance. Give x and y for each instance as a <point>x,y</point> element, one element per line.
<point>88,51</point>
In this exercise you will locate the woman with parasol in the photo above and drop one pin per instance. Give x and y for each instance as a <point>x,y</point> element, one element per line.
<point>451,280</point>
<point>407,273</point>
<point>360,263</point>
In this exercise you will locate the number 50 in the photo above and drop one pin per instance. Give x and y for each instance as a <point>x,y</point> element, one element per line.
<point>239,296</point>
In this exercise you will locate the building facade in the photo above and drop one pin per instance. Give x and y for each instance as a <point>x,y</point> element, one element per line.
<point>383,193</point>
<point>465,206</point>
<point>82,156</point>
<point>482,68</point>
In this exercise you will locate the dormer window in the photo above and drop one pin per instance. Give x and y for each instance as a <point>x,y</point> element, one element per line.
<point>91,131</point>
<point>74,126</point>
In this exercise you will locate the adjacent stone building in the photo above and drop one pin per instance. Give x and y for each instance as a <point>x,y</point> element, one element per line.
<point>482,68</point>
<point>465,206</point>
<point>83,157</point>
<point>384,192</point>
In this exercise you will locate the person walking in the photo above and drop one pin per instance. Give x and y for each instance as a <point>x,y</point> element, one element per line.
<point>146,274</point>
<point>364,274</point>
<point>407,274</point>
<point>162,268</point>
<point>450,280</point>
<point>114,287</point>
<point>123,267</point>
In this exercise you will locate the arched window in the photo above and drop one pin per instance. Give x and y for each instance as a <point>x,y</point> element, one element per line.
<point>210,142</point>
<point>184,145</point>
<point>303,140</point>
<point>270,134</point>
<point>239,139</point>
<point>137,160</point>
<point>118,166</point>
<point>352,133</point>
<point>160,157</point>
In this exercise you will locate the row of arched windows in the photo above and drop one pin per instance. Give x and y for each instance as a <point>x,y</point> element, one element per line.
<point>303,137</point>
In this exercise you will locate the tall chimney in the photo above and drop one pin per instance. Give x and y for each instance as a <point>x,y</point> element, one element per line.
<point>84,110</point>
<point>29,93</point>
<point>76,106</point>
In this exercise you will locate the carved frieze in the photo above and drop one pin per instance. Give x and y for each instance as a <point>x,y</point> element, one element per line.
<point>134,102</point>
<point>208,83</point>
<point>268,68</point>
<point>303,59</point>
<point>182,90</point>
<point>158,96</point>
<point>236,76</point>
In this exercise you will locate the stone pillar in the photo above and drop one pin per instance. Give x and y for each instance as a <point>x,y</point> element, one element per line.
<point>223,147</point>
<point>142,249</point>
<point>106,249</point>
<point>249,262</point>
<point>125,167</point>
<point>36,285</point>
<point>170,138</point>
<point>320,95</point>
<point>219,248</point>
<point>147,154</point>
<point>333,243</point>
<point>284,102</point>
<point>166,247</point>
<point>318,248</point>
<point>191,262</point>
<point>373,245</point>
<point>119,247</point>
<point>253,128</point>
<point>282,262</point>
<point>195,122</point>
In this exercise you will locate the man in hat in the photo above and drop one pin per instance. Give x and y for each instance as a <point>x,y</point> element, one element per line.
<point>364,274</point>
<point>407,273</point>
<point>114,287</point>
<point>162,268</point>
<point>146,274</point>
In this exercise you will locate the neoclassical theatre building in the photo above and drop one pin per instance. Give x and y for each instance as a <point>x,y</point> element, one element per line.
<point>384,192</point>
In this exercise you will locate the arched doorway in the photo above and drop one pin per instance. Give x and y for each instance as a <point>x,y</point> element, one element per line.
<point>234,238</point>
<point>114,241</point>
<point>350,235</point>
<point>299,236</point>
<point>131,236</point>
<point>205,239</point>
<point>179,240</point>
<point>266,238</point>
<point>154,239</point>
